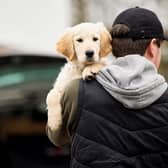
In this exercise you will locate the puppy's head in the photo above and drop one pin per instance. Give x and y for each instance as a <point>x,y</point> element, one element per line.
<point>85,42</point>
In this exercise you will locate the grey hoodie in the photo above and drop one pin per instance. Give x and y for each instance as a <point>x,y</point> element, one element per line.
<point>133,81</point>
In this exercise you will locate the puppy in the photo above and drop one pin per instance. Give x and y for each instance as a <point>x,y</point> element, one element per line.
<point>84,46</point>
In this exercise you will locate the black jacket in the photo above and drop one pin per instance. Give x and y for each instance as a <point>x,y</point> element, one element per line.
<point>109,135</point>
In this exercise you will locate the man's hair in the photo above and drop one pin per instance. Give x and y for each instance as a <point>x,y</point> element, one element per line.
<point>125,46</point>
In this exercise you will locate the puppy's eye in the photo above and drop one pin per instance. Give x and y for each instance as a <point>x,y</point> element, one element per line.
<point>80,40</point>
<point>95,39</point>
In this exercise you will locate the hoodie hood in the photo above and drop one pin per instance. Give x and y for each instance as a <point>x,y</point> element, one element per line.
<point>133,81</point>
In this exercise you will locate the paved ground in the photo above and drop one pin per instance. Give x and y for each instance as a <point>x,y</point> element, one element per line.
<point>32,152</point>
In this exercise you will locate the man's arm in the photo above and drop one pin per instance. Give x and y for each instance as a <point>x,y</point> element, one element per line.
<point>69,102</point>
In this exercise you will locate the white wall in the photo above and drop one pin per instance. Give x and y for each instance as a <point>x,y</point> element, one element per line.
<point>33,25</point>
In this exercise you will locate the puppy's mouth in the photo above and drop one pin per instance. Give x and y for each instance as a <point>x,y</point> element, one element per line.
<point>89,62</point>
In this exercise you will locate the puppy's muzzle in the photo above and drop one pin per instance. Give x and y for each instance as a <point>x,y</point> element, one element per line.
<point>89,55</point>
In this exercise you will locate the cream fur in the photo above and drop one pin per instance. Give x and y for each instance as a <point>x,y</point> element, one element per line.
<point>78,65</point>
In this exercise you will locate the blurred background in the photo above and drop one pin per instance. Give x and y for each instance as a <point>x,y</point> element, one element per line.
<point>29,66</point>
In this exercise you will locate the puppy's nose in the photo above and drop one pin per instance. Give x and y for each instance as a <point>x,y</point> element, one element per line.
<point>89,53</point>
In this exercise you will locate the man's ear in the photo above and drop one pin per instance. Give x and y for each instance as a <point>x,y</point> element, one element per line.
<point>151,50</point>
<point>153,53</point>
<point>64,45</point>
<point>105,40</point>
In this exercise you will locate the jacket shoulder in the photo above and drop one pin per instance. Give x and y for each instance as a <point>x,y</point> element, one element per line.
<point>163,99</point>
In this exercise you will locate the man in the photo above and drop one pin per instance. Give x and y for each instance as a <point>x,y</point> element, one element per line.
<point>120,119</point>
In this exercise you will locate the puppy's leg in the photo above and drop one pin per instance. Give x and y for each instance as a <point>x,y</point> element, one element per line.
<point>54,110</point>
<point>90,70</point>
<point>68,73</point>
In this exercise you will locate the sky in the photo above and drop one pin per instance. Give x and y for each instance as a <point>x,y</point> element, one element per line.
<point>33,25</point>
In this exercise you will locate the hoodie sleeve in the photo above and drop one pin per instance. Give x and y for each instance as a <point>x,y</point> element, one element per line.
<point>69,103</point>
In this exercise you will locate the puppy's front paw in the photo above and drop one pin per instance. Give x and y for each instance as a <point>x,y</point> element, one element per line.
<point>87,73</point>
<point>91,70</point>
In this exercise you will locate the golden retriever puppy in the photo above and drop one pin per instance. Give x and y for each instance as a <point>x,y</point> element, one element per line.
<point>84,46</point>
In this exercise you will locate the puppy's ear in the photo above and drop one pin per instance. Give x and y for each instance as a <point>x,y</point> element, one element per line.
<point>64,45</point>
<point>105,41</point>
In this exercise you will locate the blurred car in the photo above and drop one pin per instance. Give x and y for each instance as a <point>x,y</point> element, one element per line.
<point>25,80</point>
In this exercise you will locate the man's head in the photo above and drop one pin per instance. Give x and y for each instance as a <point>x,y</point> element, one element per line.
<point>137,31</point>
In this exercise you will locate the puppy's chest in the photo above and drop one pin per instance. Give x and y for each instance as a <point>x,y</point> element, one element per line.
<point>67,74</point>
<point>71,71</point>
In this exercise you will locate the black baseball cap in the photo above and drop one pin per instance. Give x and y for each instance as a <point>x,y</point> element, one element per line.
<point>142,24</point>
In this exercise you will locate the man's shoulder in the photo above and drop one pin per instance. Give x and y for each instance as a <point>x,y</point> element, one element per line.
<point>163,99</point>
